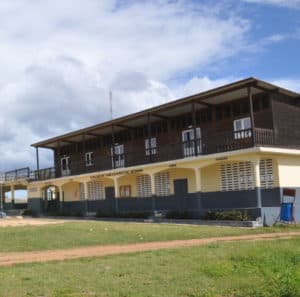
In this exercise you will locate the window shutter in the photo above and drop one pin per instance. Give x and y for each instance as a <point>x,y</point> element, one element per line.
<point>95,190</point>
<point>236,176</point>
<point>143,183</point>
<point>266,173</point>
<point>162,184</point>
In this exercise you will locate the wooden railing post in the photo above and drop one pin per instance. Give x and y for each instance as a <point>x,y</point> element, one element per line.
<point>251,114</point>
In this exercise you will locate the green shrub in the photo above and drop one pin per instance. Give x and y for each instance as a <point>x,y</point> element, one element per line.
<point>228,215</point>
<point>176,214</point>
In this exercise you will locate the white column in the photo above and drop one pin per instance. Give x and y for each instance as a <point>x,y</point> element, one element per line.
<point>116,186</point>
<point>152,179</point>
<point>256,172</point>
<point>61,193</point>
<point>85,189</point>
<point>198,179</point>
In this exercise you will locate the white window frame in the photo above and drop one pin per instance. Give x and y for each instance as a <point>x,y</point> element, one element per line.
<point>65,171</point>
<point>151,146</point>
<point>188,142</point>
<point>242,128</point>
<point>117,156</point>
<point>89,159</point>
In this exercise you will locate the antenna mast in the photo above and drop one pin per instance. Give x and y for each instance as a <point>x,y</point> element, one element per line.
<point>110,104</point>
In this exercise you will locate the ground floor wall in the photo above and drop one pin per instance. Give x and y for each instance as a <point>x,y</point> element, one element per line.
<point>251,183</point>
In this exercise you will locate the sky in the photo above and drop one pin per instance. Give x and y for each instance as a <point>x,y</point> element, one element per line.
<point>60,58</point>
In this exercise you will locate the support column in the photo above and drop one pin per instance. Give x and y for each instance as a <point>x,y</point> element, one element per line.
<point>37,162</point>
<point>117,194</point>
<point>257,184</point>
<point>153,192</point>
<point>1,197</point>
<point>12,191</point>
<point>251,113</point>
<point>199,188</point>
<point>61,198</point>
<point>198,179</point>
<point>194,127</point>
<point>113,146</point>
<point>85,189</point>
<point>149,136</point>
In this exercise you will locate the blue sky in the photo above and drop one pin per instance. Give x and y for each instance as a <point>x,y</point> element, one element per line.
<point>60,58</point>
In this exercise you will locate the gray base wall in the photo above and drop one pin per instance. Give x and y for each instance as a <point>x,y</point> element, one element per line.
<point>196,203</point>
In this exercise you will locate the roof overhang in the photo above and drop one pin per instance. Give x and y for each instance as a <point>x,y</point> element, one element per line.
<point>202,100</point>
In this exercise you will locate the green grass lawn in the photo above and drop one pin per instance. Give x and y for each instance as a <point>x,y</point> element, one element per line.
<point>85,233</point>
<point>239,269</point>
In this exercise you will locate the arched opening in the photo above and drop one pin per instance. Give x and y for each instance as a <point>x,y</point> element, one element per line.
<point>51,198</point>
<point>15,197</point>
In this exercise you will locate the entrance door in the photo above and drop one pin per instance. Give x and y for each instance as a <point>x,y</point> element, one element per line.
<point>109,192</point>
<point>180,191</point>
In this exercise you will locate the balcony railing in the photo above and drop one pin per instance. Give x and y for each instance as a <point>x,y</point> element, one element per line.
<point>208,144</point>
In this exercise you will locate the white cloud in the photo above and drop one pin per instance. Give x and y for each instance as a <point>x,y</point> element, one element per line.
<point>59,59</point>
<point>281,3</point>
<point>201,84</point>
<point>288,83</point>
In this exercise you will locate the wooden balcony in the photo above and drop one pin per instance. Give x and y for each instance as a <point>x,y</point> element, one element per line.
<point>217,143</point>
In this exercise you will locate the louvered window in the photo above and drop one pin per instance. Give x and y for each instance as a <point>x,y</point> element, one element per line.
<point>162,184</point>
<point>266,173</point>
<point>95,190</point>
<point>143,183</point>
<point>236,176</point>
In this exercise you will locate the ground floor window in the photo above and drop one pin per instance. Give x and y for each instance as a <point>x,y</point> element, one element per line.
<point>236,176</point>
<point>95,190</point>
<point>143,184</point>
<point>266,173</point>
<point>125,191</point>
<point>162,184</point>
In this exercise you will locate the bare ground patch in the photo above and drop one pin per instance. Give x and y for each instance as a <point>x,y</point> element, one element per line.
<point>7,259</point>
<point>21,222</point>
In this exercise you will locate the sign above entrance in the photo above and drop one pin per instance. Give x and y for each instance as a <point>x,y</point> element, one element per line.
<point>116,173</point>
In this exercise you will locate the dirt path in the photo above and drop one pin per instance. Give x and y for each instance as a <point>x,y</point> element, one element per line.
<point>7,259</point>
<point>23,222</point>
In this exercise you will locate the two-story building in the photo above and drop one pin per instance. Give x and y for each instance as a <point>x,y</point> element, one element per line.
<point>233,147</point>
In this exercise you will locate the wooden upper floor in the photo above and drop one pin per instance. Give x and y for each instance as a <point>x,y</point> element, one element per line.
<point>241,115</point>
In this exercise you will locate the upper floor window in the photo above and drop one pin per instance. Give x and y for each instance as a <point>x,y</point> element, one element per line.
<point>65,165</point>
<point>89,159</point>
<point>242,128</point>
<point>151,146</point>
<point>118,159</point>
<point>189,142</point>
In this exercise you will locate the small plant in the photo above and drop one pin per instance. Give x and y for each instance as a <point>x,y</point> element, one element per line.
<point>229,215</point>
